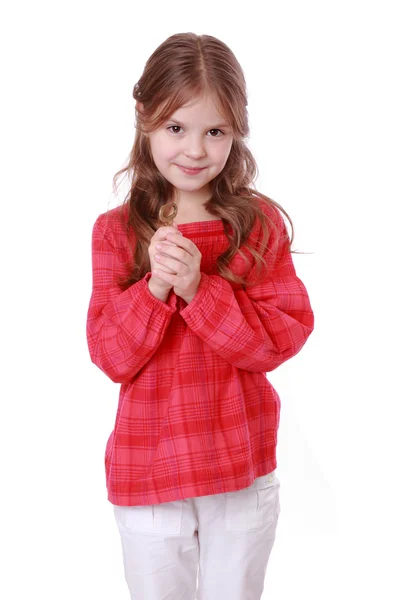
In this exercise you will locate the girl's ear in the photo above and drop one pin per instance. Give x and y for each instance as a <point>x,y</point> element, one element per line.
<point>139,106</point>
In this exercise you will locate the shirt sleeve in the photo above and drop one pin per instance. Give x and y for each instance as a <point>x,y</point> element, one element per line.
<point>259,328</point>
<point>124,328</point>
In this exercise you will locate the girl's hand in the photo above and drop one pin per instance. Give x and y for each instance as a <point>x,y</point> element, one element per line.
<point>177,262</point>
<point>158,287</point>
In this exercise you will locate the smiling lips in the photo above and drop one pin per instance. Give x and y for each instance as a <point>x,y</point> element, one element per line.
<point>190,171</point>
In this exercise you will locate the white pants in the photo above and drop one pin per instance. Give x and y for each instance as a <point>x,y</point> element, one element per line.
<point>220,542</point>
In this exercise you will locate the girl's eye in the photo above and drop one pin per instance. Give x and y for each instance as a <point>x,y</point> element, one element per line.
<point>212,132</point>
<point>216,132</point>
<point>174,128</point>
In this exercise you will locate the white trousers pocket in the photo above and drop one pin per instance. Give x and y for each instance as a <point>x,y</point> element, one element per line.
<point>254,507</point>
<point>165,519</point>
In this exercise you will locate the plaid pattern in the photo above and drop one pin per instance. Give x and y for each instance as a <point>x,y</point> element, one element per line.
<point>196,413</point>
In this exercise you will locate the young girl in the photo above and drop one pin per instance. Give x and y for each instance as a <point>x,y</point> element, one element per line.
<point>188,313</point>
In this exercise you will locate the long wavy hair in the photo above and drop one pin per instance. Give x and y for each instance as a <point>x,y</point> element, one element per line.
<point>184,67</point>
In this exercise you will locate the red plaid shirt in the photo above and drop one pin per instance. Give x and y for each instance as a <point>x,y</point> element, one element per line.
<point>196,413</point>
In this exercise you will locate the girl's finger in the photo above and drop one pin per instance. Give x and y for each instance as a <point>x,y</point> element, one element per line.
<point>175,266</point>
<point>182,242</point>
<point>167,243</point>
<point>162,232</point>
<point>173,251</point>
<point>164,268</point>
<point>166,277</point>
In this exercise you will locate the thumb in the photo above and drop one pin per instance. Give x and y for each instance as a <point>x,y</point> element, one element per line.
<point>176,227</point>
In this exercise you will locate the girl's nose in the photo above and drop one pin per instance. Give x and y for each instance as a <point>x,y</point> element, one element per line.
<point>194,148</point>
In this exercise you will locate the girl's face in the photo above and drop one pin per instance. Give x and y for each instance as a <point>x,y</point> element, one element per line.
<point>192,147</point>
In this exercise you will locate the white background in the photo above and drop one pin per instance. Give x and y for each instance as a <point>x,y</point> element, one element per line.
<point>323,83</point>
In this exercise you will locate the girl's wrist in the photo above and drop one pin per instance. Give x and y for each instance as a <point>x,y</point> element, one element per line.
<point>159,292</point>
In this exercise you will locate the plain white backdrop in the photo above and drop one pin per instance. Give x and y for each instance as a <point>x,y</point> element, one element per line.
<point>323,84</point>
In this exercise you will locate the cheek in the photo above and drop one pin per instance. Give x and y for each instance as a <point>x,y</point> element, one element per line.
<point>170,150</point>
<point>221,153</point>
<point>162,149</point>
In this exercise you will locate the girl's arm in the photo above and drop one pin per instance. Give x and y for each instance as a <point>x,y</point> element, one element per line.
<point>124,329</point>
<point>260,328</point>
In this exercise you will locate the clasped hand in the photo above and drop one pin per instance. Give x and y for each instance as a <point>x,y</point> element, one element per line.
<point>175,263</point>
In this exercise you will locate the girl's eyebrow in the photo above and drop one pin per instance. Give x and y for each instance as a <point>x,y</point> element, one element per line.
<point>223,125</point>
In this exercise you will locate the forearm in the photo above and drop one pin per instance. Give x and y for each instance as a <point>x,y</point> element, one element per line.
<point>124,334</point>
<point>254,335</point>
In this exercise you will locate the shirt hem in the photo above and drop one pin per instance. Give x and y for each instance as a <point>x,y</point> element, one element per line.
<point>231,485</point>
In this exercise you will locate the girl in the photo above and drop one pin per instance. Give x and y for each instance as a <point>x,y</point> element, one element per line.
<point>188,315</point>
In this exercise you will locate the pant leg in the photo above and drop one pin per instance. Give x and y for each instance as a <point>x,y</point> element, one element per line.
<point>160,550</point>
<point>236,536</point>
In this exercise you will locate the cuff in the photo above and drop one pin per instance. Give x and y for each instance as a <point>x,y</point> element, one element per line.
<point>205,301</point>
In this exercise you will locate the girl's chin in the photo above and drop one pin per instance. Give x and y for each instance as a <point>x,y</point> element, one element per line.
<point>190,186</point>
<point>187,190</point>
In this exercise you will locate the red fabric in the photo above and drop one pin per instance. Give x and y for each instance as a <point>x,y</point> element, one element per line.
<point>196,414</point>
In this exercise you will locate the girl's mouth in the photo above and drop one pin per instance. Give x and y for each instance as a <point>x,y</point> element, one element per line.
<point>190,171</point>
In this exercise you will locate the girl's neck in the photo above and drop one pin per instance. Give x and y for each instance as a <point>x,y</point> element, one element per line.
<point>193,214</point>
<point>191,208</point>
